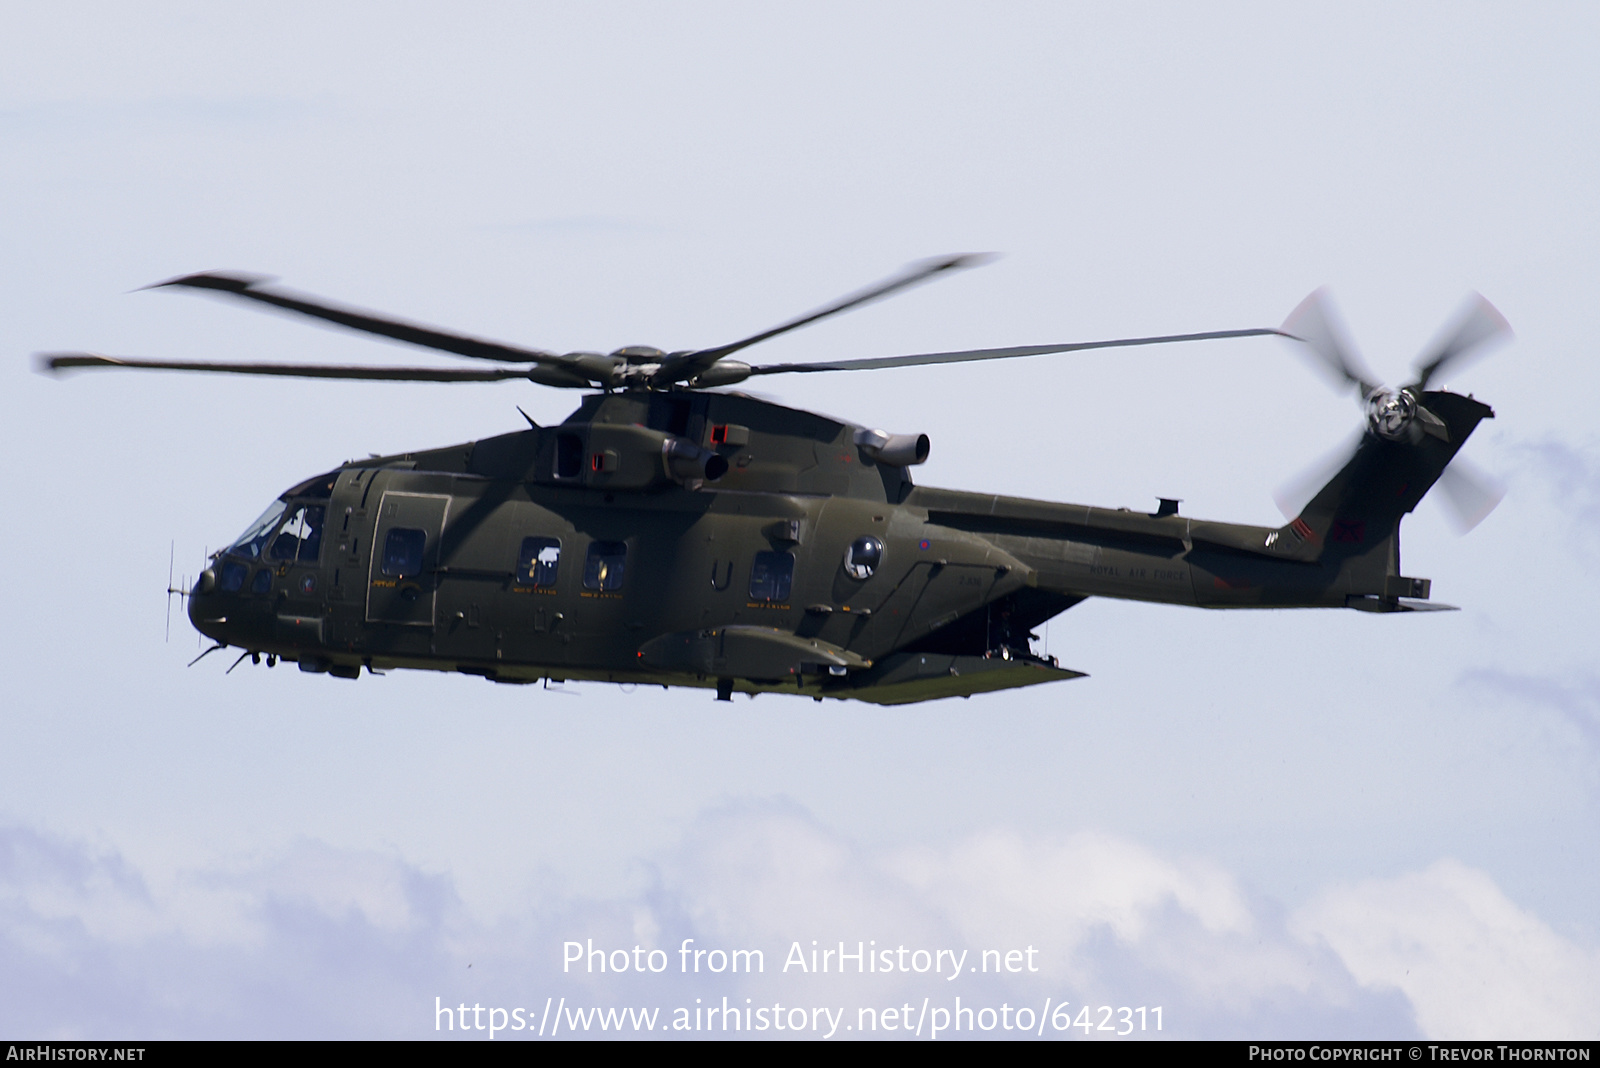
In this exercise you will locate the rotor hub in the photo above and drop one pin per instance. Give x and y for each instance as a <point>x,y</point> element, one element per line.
<point>1390,413</point>
<point>639,354</point>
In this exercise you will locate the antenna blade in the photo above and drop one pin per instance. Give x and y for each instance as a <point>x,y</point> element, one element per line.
<point>208,652</point>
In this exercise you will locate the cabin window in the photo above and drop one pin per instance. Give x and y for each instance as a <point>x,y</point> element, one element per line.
<point>402,552</point>
<point>771,576</point>
<point>262,582</point>
<point>863,557</point>
<point>232,578</point>
<point>569,456</point>
<point>604,568</point>
<point>301,537</point>
<point>538,562</point>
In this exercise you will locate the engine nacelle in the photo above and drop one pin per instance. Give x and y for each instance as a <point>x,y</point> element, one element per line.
<point>630,457</point>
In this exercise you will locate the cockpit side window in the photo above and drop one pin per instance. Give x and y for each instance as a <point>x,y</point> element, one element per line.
<point>402,552</point>
<point>254,540</point>
<point>301,537</point>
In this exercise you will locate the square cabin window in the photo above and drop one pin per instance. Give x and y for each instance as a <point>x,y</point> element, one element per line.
<point>538,562</point>
<point>604,568</point>
<point>402,552</point>
<point>771,576</point>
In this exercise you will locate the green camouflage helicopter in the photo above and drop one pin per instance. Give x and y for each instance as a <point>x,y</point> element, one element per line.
<point>670,533</point>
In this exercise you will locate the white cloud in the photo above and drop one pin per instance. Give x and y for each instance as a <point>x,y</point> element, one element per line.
<point>322,942</point>
<point>318,942</point>
<point>1473,964</point>
<point>1100,902</point>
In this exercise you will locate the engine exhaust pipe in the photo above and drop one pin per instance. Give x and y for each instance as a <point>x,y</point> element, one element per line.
<point>897,450</point>
<point>687,462</point>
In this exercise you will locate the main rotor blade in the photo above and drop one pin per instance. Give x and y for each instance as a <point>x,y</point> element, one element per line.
<point>1316,323</point>
<point>254,287</point>
<point>680,367</point>
<point>70,361</point>
<point>972,355</point>
<point>1468,493</point>
<point>1478,323</point>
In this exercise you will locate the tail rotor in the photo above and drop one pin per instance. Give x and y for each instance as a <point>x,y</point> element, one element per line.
<point>1400,415</point>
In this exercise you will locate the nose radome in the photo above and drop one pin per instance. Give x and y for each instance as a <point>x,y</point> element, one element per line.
<point>207,610</point>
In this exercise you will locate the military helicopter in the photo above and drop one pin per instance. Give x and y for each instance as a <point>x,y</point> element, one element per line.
<point>674,532</point>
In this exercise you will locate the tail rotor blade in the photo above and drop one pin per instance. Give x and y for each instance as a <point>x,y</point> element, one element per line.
<point>1468,493</point>
<point>1292,496</point>
<point>1478,323</point>
<point>1317,324</point>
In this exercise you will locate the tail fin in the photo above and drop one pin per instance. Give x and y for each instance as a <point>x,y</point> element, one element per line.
<point>1354,520</point>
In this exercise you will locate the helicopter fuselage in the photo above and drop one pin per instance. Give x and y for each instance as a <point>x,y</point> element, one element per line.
<point>717,540</point>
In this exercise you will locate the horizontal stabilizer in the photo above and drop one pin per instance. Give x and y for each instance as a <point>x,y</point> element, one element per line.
<point>1409,605</point>
<point>1396,604</point>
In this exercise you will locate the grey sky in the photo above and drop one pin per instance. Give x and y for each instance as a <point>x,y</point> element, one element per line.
<point>589,177</point>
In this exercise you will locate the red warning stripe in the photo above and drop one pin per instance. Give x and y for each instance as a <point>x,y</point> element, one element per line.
<point>1349,530</point>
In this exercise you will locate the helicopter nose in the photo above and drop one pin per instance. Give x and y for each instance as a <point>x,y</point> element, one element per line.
<point>206,612</point>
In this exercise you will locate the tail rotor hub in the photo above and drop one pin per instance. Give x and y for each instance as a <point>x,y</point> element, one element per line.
<point>1391,413</point>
